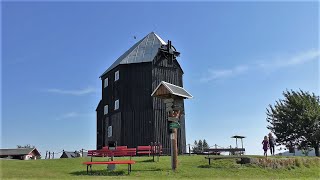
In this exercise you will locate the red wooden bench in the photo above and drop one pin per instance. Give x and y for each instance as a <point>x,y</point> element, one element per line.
<point>157,149</point>
<point>122,147</point>
<point>144,150</point>
<point>90,163</point>
<point>112,153</point>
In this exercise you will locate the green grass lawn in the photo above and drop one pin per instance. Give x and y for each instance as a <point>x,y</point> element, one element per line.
<point>193,167</point>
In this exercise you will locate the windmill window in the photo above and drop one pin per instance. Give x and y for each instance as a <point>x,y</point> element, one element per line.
<point>106,81</point>
<point>109,131</point>
<point>116,76</point>
<point>106,109</point>
<point>116,104</point>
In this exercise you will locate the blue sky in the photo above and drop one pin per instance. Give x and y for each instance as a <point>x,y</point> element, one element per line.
<point>238,57</point>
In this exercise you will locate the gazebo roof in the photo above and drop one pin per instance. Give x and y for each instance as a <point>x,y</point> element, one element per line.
<point>236,136</point>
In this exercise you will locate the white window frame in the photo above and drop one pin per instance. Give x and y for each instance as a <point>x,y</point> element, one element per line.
<point>109,131</point>
<point>116,75</point>
<point>106,82</point>
<point>116,104</point>
<point>106,109</point>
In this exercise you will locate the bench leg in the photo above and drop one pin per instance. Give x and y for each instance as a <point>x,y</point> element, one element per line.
<point>128,168</point>
<point>87,168</point>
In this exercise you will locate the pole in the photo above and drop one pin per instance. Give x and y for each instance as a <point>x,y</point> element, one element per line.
<point>189,150</point>
<point>236,142</point>
<point>241,143</point>
<point>174,149</point>
<point>158,150</point>
<point>153,146</point>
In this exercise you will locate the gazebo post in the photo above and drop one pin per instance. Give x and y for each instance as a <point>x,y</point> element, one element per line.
<point>236,142</point>
<point>241,143</point>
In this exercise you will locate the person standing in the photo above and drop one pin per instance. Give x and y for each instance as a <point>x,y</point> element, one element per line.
<point>265,144</point>
<point>271,143</point>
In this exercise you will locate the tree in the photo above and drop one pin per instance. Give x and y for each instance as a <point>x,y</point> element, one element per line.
<point>200,145</point>
<point>205,144</point>
<point>195,147</point>
<point>295,120</point>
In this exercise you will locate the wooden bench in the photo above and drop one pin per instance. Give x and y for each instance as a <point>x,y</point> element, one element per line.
<point>224,157</point>
<point>112,153</point>
<point>90,163</point>
<point>144,150</point>
<point>156,149</point>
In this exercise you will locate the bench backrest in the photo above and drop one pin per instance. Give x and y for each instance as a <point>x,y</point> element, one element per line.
<point>144,148</point>
<point>108,153</point>
<point>122,147</point>
<point>95,153</point>
<point>157,149</point>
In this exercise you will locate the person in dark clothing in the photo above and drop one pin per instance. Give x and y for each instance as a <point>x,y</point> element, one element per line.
<point>271,143</point>
<point>265,145</point>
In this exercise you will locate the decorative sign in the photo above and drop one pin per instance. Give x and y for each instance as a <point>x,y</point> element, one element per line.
<point>168,100</point>
<point>174,119</point>
<point>174,125</point>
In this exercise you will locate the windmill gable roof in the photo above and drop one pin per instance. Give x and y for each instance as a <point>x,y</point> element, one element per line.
<point>143,51</point>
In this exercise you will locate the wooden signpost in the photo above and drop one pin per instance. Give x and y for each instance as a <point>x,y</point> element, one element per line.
<point>172,96</point>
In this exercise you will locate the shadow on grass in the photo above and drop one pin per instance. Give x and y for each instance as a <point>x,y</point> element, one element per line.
<point>99,173</point>
<point>156,169</point>
<point>108,173</point>
<point>148,160</point>
<point>205,166</point>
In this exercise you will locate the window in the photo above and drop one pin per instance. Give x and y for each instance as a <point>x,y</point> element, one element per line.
<point>116,76</point>
<point>116,104</point>
<point>106,109</point>
<point>109,131</point>
<point>106,82</point>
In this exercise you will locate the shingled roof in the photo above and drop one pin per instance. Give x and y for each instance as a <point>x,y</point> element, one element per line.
<point>143,51</point>
<point>171,89</point>
<point>18,151</point>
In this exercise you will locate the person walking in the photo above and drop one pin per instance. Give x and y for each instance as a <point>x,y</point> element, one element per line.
<point>265,144</point>
<point>271,143</point>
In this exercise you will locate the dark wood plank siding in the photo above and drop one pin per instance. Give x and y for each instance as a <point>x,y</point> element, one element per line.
<point>141,119</point>
<point>136,106</point>
<point>110,94</point>
<point>100,132</point>
<point>172,73</point>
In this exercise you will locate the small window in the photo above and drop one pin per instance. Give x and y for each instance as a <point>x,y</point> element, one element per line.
<point>106,82</point>
<point>116,76</point>
<point>106,109</point>
<point>109,131</point>
<point>116,104</point>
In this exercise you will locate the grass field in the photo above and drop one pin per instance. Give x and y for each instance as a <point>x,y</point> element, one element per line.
<point>193,167</point>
